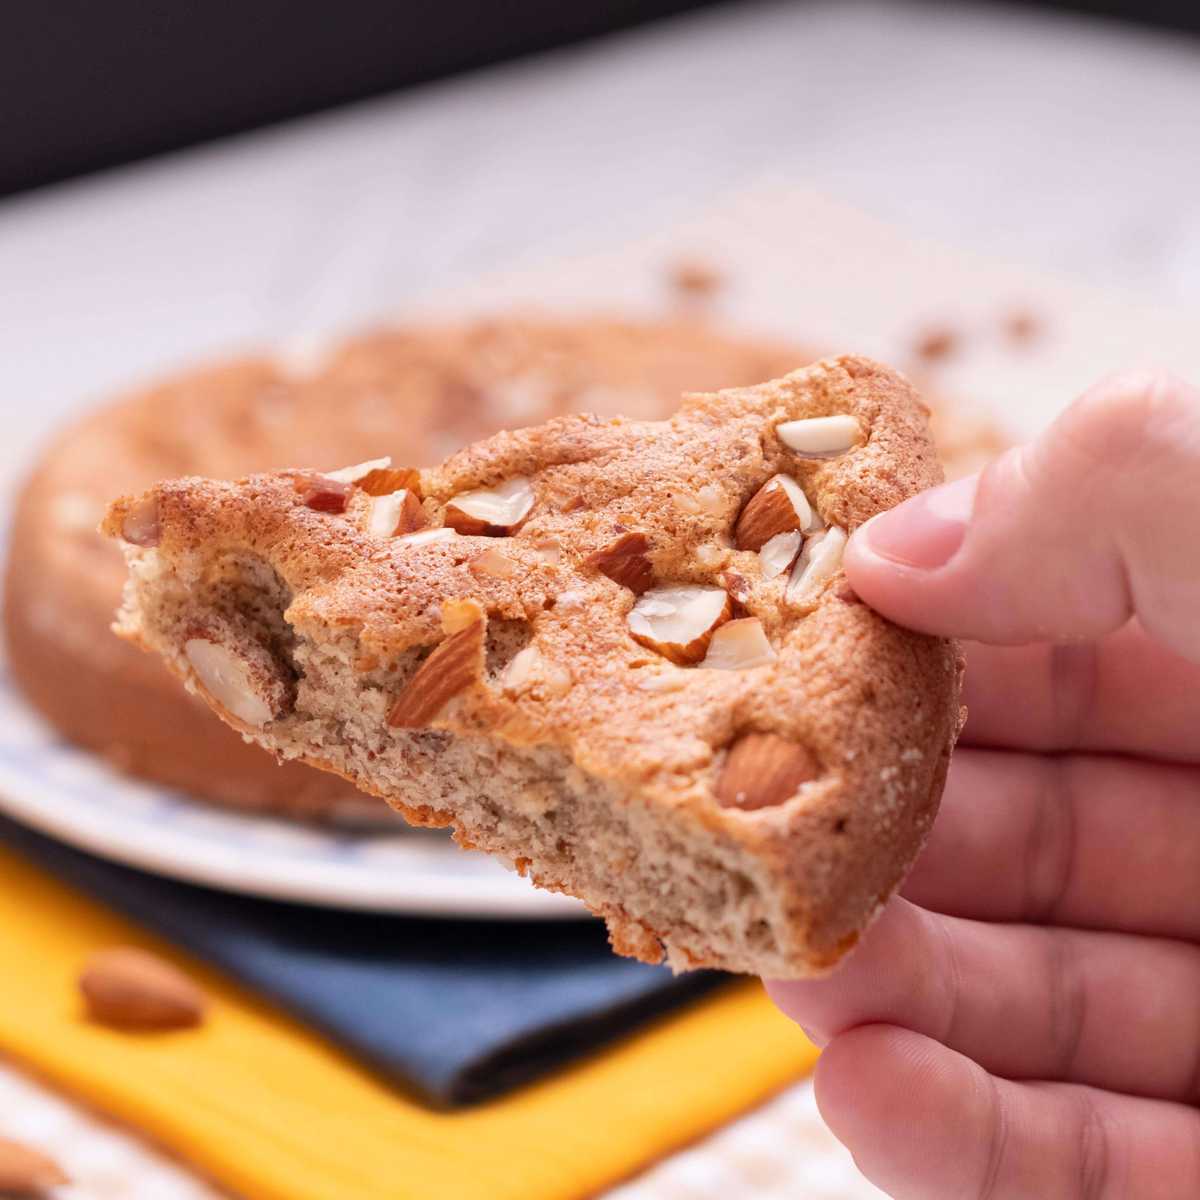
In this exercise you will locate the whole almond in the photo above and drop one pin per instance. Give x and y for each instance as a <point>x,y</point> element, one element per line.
<point>25,1171</point>
<point>454,664</point>
<point>134,989</point>
<point>762,770</point>
<point>240,677</point>
<point>624,561</point>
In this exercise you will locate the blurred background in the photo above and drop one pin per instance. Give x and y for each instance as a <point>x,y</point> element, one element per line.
<point>95,88</point>
<point>271,233</point>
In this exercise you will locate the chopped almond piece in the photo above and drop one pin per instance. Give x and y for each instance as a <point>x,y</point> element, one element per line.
<point>323,494</point>
<point>779,553</point>
<point>779,506</point>
<point>818,562</point>
<point>491,512</point>
<point>493,564</point>
<point>359,471</point>
<point>424,536</point>
<point>739,645</point>
<point>736,585</point>
<point>624,561</point>
<point>383,481</point>
<point>548,552</point>
<point>678,622</point>
<point>453,666</point>
<point>395,513</point>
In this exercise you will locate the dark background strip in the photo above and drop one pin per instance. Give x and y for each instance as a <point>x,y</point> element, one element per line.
<point>86,85</point>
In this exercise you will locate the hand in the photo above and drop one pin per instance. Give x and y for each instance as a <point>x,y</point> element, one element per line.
<point>1025,1021</point>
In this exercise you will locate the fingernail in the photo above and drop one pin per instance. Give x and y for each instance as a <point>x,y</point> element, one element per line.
<point>926,531</point>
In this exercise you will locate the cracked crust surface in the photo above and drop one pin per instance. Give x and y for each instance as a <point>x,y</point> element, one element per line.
<point>417,393</point>
<point>588,760</point>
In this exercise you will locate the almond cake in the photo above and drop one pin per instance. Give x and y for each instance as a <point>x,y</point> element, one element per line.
<point>620,655</point>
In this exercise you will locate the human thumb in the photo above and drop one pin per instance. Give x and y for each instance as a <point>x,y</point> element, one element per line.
<point>1065,538</point>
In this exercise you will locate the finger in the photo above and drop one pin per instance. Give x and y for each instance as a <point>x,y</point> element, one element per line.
<point>1093,842</point>
<point>1064,538</point>
<point>926,1123</point>
<point>1085,696</point>
<point>1105,1009</point>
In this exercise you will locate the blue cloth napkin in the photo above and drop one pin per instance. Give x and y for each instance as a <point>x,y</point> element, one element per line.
<point>456,1010</point>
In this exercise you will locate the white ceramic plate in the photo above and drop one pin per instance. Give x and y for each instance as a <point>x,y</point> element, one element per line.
<point>75,797</point>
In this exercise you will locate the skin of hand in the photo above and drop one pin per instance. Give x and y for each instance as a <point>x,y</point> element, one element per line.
<point>1024,1020</point>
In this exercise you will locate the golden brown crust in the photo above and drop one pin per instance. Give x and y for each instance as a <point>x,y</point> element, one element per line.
<point>633,939</point>
<point>874,706</point>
